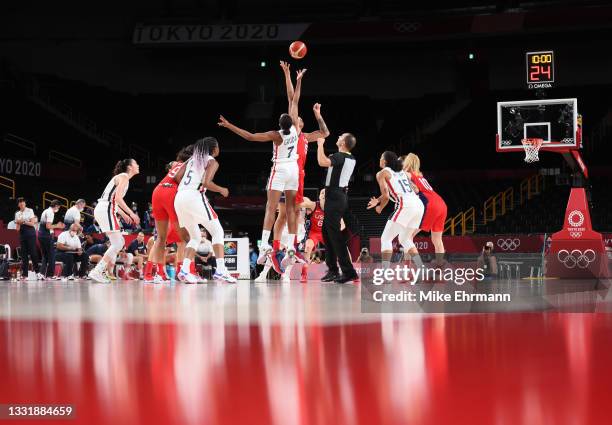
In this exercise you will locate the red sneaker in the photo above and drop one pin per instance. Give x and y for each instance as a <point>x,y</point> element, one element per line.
<point>275,264</point>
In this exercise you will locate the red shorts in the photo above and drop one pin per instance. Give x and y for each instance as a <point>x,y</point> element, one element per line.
<point>435,215</point>
<point>316,237</point>
<point>299,196</point>
<point>163,203</point>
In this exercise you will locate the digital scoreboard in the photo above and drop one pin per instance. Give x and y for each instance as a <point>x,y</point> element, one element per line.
<point>540,69</point>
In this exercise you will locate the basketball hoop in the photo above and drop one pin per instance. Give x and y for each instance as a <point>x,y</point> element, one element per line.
<point>532,147</point>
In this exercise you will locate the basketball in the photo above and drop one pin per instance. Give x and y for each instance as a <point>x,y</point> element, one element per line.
<point>297,50</point>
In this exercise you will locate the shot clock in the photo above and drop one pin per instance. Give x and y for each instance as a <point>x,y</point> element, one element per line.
<point>540,69</point>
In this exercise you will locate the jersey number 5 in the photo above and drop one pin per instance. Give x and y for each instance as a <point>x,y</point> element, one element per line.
<point>187,178</point>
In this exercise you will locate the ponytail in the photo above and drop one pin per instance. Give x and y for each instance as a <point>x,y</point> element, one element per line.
<point>122,166</point>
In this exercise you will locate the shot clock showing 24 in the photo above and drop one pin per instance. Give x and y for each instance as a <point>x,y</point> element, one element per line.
<point>540,69</point>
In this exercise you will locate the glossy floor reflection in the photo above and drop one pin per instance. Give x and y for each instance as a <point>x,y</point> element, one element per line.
<point>293,354</point>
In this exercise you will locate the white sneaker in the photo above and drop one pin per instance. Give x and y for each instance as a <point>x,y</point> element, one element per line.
<point>157,279</point>
<point>264,252</point>
<point>286,278</point>
<point>261,278</point>
<point>288,259</point>
<point>64,279</point>
<point>97,276</point>
<point>40,276</point>
<point>225,276</point>
<point>187,277</point>
<point>71,277</point>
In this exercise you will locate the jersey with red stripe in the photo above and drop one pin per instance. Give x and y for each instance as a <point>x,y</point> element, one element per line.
<point>169,179</point>
<point>110,191</point>
<point>286,151</point>
<point>302,147</point>
<point>399,185</point>
<point>315,220</point>
<point>422,183</point>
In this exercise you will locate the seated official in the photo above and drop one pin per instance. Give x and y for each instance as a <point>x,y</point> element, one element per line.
<point>69,252</point>
<point>137,253</point>
<point>204,253</point>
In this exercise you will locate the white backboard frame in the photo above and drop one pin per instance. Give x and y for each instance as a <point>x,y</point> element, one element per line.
<point>547,145</point>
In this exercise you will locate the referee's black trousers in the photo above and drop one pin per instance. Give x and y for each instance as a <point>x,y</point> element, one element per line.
<point>336,204</point>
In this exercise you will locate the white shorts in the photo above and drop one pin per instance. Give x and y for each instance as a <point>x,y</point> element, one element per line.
<point>192,208</point>
<point>408,212</point>
<point>105,214</point>
<point>284,176</point>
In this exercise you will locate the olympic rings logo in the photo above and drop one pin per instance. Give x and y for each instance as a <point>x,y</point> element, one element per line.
<point>509,244</point>
<point>575,218</point>
<point>575,235</point>
<point>576,258</point>
<point>406,26</point>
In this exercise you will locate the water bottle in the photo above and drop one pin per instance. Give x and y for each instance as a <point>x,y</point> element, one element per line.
<point>171,272</point>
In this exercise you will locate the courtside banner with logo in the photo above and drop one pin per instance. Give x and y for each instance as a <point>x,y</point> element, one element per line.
<point>151,34</point>
<point>474,244</point>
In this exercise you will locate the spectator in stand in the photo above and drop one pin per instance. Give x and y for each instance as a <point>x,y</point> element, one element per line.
<point>487,261</point>
<point>70,252</point>
<point>136,253</point>
<point>45,240</point>
<point>204,253</point>
<point>73,215</point>
<point>148,219</point>
<point>364,256</point>
<point>26,221</point>
<point>253,260</point>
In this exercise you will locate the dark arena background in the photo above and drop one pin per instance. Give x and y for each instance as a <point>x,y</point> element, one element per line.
<point>474,293</point>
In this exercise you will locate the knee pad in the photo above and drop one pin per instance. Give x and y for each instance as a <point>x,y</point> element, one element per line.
<point>216,232</point>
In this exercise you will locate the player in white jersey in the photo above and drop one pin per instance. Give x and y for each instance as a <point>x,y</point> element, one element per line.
<point>395,184</point>
<point>284,176</point>
<point>192,208</point>
<point>109,205</point>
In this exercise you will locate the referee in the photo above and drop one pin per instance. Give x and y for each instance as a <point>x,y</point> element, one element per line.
<point>340,167</point>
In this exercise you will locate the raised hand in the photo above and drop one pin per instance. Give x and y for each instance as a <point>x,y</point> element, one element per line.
<point>373,202</point>
<point>300,73</point>
<point>317,110</point>
<point>222,121</point>
<point>285,66</point>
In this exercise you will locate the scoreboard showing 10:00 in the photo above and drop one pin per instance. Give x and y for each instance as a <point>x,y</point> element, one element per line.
<point>540,69</point>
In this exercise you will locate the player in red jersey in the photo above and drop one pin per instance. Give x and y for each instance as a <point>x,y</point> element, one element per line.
<point>302,149</point>
<point>166,221</point>
<point>314,229</point>
<point>435,207</point>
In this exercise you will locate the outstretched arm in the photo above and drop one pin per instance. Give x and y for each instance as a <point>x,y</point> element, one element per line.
<point>288,83</point>
<point>322,132</point>
<point>322,159</point>
<point>293,108</point>
<point>268,136</point>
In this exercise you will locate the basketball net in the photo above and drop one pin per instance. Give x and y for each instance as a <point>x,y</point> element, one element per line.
<point>532,147</point>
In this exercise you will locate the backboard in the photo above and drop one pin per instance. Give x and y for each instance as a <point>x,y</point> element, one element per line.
<point>553,120</point>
